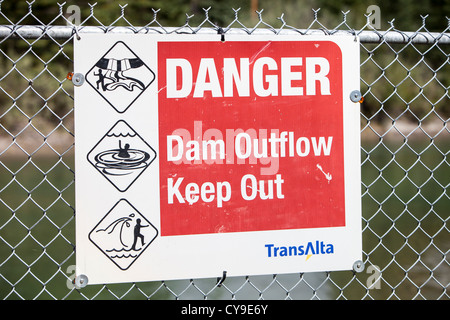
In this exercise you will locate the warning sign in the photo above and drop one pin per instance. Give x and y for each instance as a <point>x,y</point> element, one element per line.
<point>123,238</point>
<point>120,76</point>
<point>262,119</point>
<point>241,156</point>
<point>121,155</point>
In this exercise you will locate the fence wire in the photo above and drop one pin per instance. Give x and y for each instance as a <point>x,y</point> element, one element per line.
<point>405,79</point>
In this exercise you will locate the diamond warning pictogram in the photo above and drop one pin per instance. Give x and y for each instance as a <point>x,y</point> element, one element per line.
<point>120,76</point>
<point>121,155</point>
<point>123,234</point>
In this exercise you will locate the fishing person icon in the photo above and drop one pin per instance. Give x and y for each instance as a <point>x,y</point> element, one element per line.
<point>120,76</point>
<point>123,234</point>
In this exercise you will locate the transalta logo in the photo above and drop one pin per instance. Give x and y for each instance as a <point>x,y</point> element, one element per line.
<point>309,249</point>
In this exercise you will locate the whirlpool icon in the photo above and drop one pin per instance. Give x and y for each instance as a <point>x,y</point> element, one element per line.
<point>120,76</point>
<point>121,156</point>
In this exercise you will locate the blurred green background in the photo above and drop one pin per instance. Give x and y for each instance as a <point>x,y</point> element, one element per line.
<point>405,143</point>
<point>404,233</point>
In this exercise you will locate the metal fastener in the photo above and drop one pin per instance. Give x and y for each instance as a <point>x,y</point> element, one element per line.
<point>78,79</point>
<point>358,266</point>
<point>355,96</point>
<point>81,281</point>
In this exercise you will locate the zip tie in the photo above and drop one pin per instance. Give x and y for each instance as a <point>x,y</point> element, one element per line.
<point>221,280</point>
<point>76,32</point>
<point>222,34</point>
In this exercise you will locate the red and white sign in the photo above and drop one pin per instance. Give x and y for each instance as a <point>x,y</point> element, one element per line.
<point>245,125</point>
<point>239,155</point>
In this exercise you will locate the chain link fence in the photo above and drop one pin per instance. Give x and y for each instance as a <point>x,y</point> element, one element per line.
<point>405,79</point>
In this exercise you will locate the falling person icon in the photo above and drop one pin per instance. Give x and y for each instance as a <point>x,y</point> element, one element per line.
<point>138,234</point>
<point>101,80</point>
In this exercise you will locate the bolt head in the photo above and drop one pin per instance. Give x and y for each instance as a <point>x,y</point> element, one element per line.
<point>355,96</point>
<point>78,79</point>
<point>358,266</point>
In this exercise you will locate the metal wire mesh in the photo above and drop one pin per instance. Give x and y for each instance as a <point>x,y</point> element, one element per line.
<point>405,167</point>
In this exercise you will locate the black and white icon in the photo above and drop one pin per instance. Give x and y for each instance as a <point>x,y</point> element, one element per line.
<point>121,156</point>
<point>120,76</point>
<point>123,234</point>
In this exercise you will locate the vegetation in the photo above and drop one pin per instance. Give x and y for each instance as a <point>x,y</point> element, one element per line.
<point>398,80</point>
<point>403,184</point>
